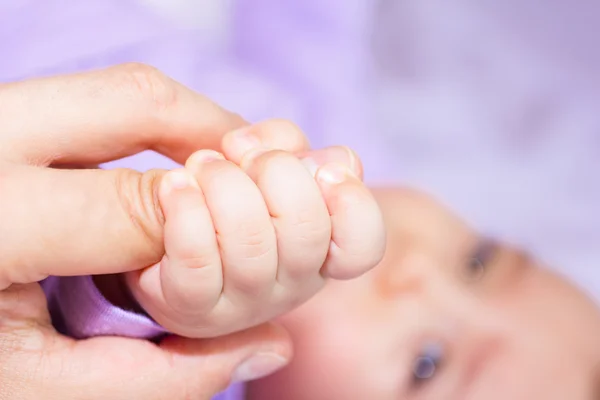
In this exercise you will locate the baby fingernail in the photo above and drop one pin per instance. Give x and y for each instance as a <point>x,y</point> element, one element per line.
<point>176,180</point>
<point>244,140</point>
<point>337,154</point>
<point>333,173</point>
<point>203,156</point>
<point>258,366</point>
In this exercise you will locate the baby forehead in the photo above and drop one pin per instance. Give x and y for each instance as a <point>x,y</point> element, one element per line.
<point>417,220</point>
<point>420,224</point>
<point>412,205</point>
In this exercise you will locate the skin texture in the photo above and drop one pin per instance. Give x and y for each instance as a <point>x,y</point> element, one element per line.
<point>509,328</point>
<point>63,217</point>
<point>248,238</point>
<point>50,126</point>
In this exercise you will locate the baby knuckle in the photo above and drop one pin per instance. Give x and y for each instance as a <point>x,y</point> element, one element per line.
<point>305,231</point>
<point>254,250</point>
<point>200,259</point>
<point>306,219</point>
<point>252,241</point>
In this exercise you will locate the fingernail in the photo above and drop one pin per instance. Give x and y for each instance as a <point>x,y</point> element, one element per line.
<point>244,140</point>
<point>203,156</point>
<point>333,173</point>
<point>177,180</point>
<point>258,366</point>
<point>336,154</point>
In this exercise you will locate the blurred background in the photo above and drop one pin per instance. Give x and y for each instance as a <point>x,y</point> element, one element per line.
<point>492,106</point>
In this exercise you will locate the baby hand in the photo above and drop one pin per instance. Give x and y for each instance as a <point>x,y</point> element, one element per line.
<point>252,233</point>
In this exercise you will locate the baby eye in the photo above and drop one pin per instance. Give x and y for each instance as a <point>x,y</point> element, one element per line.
<point>480,259</point>
<point>426,365</point>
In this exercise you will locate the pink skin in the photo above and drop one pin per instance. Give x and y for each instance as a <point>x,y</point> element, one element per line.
<point>251,233</point>
<point>509,328</point>
<point>62,221</point>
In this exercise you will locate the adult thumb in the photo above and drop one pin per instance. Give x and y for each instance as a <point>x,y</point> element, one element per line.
<point>233,359</point>
<point>77,222</point>
<point>118,368</point>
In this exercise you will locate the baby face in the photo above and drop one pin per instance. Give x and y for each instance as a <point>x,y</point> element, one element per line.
<point>446,315</point>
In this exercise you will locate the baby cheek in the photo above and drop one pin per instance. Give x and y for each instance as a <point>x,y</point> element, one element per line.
<point>345,345</point>
<point>351,360</point>
<point>332,370</point>
<point>525,376</point>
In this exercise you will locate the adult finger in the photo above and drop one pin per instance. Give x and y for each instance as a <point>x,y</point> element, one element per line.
<point>86,222</point>
<point>38,363</point>
<point>210,365</point>
<point>108,114</point>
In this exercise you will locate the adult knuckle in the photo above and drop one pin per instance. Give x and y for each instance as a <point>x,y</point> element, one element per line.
<point>138,195</point>
<point>150,84</point>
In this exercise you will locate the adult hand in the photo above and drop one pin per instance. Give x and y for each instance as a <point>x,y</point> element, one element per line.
<point>58,219</point>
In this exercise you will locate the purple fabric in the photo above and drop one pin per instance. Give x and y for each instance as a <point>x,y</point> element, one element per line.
<point>81,311</point>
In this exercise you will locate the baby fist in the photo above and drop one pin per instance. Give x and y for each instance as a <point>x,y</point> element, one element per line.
<point>253,232</point>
